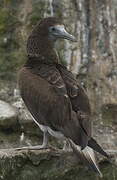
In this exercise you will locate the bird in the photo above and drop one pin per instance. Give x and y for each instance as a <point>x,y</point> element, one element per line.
<point>53,96</point>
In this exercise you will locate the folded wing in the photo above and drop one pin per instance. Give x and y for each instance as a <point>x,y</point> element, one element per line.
<point>46,97</point>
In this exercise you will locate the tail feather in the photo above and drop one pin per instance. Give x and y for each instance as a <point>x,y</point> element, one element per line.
<point>87,155</point>
<point>95,146</point>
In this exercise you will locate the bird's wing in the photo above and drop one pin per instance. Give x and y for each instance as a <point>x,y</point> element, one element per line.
<point>79,99</point>
<point>81,106</point>
<point>45,95</point>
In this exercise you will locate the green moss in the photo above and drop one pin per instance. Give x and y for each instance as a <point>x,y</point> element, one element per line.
<point>10,63</point>
<point>9,45</point>
<point>7,20</point>
<point>109,113</point>
<point>37,12</point>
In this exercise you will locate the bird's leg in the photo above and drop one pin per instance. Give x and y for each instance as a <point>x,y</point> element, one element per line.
<point>38,147</point>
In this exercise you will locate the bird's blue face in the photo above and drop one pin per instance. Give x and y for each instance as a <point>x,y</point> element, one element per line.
<point>58,32</point>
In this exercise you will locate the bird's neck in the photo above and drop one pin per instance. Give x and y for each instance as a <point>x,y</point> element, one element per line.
<point>42,50</point>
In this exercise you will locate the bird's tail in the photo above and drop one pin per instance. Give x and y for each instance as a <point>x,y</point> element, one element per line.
<point>87,155</point>
<point>95,146</point>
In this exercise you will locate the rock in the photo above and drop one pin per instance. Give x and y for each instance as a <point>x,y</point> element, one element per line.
<point>8,115</point>
<point>7,90</point>
<point>12,139</point>
<point>48,165</point>
<point>24,115</point>
<point>25,120</point>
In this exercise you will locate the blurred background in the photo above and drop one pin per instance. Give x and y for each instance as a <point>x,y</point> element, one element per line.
<point>93,60</point>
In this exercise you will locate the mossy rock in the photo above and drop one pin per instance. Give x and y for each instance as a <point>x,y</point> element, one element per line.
<point>47,165</point>
<point>9,45</point>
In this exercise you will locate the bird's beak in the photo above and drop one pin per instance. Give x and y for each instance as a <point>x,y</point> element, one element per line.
<point>60,32</point>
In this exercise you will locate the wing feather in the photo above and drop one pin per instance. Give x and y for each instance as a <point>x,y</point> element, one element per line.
<point>79,99</point>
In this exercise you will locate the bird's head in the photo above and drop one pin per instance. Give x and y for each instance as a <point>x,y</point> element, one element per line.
<point>54,29</point>
<point>45,34</point>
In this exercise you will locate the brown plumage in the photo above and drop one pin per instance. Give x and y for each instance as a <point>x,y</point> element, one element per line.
<point>53,96</point>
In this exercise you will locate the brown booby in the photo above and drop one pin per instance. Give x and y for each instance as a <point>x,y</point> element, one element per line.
<point>57,103</point>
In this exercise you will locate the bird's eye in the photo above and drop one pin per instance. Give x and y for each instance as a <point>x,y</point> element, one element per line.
<point>53,28</point>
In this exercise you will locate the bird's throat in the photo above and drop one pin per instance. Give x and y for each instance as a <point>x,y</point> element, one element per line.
<point>42,50</point>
